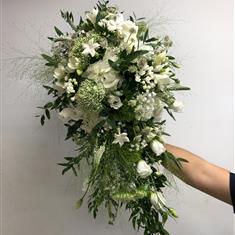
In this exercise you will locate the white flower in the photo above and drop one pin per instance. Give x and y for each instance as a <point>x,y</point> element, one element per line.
<point>69,114</point>
<point>120,138</point>
<point>128,32</point>
<point>69,86</point>
<point>143,169</point>
<point>114,101</point>
<point>59,72</point>
<point>102,71</point>
<point>113,24</point>
<point>91,15</point>
<point>178,106</point>
<point>161,79</point>
<point>157,147</point>
<point>73,63</point>
<point>90,47</point>
<point>157,199</point>
<point>160,58</point>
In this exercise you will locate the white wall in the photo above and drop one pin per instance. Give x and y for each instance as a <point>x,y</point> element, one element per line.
<point>36,198</point>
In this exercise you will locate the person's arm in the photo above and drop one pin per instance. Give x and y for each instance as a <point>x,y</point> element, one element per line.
<point>201,174</point>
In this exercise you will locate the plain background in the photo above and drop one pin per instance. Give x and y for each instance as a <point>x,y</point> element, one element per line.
<point>36,198</point>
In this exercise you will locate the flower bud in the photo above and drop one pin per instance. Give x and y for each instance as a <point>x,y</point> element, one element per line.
<point>143,169</point>
<point>157,147</point>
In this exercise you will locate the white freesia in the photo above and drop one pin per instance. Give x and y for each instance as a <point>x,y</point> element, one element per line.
<point>120,138</point>
<point>157,199</point>
<point>73,63</point>
<point>157,147</point>
<point>114,101</point>
<point>143,169</point>
<point>69,114</point>
<point>90,47</point>
<point>91,15</point>
<point>59,72</point>
<point>178,106</point>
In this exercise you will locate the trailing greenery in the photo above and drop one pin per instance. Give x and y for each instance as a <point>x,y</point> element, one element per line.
<point>110,85</point>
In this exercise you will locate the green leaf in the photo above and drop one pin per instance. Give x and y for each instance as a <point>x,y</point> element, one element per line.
<point>48,105</point>
<point>42,120</point>
<point>74,171</point>
<point>66,169</point>
<point>170,113</point>
<point>79,203</point>
<point>59,33</point>
<point>135,54</point>
<point>182,159</point>
<point>47,112</point>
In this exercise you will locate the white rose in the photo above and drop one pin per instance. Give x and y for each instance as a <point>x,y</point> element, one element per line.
<point>143,169</point>
<point>178,106</point>
<point>157,147</point>
<point>157,200</point>
<point>73,63</point>
<point>69,114</point>
<point>59,72</point>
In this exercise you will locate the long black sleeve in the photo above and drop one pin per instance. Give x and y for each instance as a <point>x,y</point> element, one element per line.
<point>232,189</point>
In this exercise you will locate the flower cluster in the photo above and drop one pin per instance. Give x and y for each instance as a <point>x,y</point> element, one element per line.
<point>110,86</point>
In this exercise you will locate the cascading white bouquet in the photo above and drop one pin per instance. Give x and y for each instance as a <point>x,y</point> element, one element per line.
<point>110,86</point>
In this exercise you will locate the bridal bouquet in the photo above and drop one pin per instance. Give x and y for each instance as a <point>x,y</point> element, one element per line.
<point>110,85</point>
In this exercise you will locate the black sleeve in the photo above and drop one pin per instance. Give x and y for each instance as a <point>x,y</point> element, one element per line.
<point>232,189</point>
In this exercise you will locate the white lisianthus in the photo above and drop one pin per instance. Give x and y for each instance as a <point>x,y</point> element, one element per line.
<point>143,169</point>
<point>91,15</point>
<point>69,114</point>
<point>90,47</point>
<point>157,147</point>
<point>73,63</point>
<point>158,201</point>
<point>178,106</point>
<point>120,138</point>
<point>59,72</point>
<point>114,101</point>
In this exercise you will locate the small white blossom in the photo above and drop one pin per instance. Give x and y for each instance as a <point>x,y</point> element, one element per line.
<point>69,86</point>
<point>115,102</point>
<point>120,138</point>
<point>90,47</point>
<point>143,169</point>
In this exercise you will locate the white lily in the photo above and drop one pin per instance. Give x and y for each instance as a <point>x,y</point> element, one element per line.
<point>90,47</point>
<point>157,199</point>
<point>91,15</point>
<point>120,138</point>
